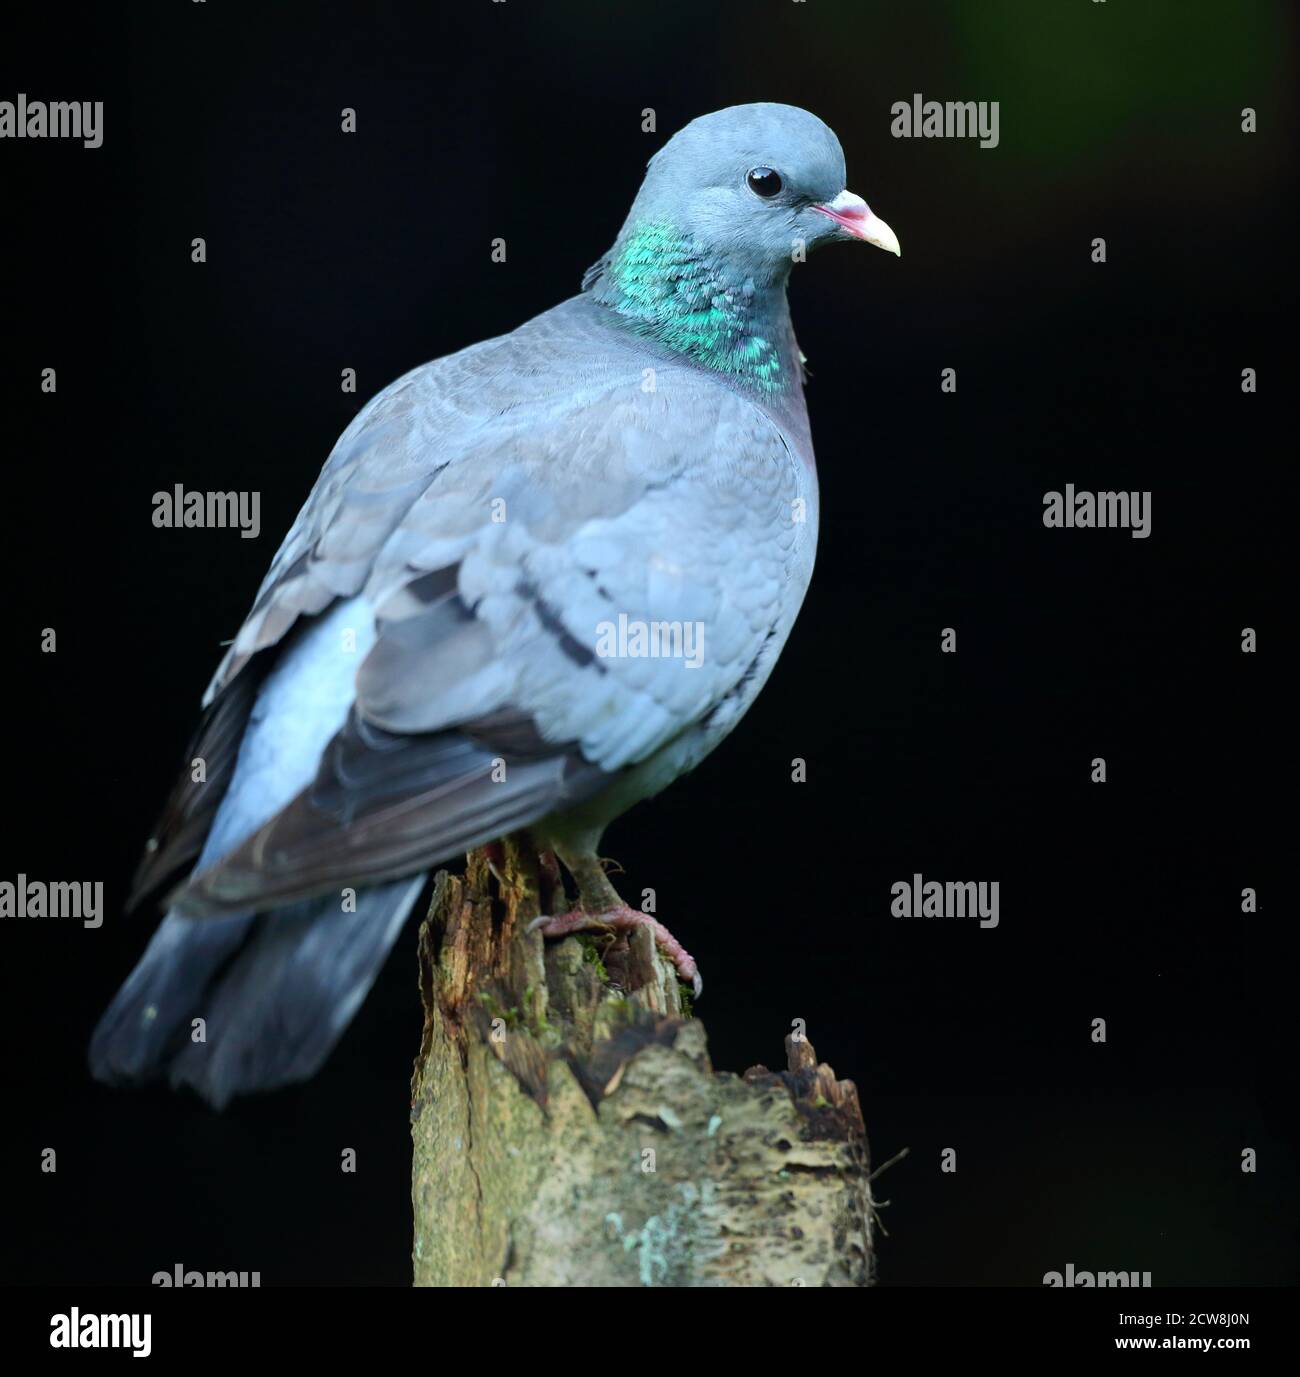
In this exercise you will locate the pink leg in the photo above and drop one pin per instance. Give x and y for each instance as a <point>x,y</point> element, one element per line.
<point>623,918</point>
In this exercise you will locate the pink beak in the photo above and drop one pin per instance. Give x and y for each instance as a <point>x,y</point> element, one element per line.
<point>854,216</point>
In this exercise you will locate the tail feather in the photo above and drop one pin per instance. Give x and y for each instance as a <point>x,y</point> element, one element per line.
<point>275,992</point>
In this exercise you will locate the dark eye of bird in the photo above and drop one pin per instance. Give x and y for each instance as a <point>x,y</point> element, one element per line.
<point>763,181</point>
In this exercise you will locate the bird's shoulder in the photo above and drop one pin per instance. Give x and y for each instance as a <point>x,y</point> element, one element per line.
<point>525,449</point>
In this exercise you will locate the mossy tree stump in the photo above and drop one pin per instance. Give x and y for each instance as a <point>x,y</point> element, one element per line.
<point>569,1129</point>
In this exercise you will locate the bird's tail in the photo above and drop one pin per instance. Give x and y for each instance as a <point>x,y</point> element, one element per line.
<point>274,992</point>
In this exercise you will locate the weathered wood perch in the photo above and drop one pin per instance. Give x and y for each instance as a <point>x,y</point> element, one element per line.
<point>569,1129</point>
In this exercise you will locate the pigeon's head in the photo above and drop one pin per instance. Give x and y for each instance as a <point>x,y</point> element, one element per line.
<point>759,185</point>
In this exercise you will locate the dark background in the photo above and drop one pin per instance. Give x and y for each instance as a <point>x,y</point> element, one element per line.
<point>371,251</point>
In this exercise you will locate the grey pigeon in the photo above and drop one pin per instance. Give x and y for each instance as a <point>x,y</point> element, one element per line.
<point>536,581</point>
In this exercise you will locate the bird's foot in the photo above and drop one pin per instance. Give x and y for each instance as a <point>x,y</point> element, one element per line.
<point>621,919</point>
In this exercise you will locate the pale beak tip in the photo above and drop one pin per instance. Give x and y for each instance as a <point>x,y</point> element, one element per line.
<point>879,234</point>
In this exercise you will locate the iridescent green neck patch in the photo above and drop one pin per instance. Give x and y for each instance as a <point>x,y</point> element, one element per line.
<point>669,288</point>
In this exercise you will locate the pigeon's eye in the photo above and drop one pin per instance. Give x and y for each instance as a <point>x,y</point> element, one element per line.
<point>763,181</point>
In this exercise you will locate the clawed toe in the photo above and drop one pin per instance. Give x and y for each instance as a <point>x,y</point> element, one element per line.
<point>623,918</point>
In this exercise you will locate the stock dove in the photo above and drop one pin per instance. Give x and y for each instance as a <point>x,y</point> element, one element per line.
<point>536,581</point>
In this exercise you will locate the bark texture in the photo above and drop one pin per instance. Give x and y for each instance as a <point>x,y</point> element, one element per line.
<point>569,1129</point>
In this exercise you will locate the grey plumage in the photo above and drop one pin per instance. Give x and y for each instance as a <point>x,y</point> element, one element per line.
<point>436,612</point>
